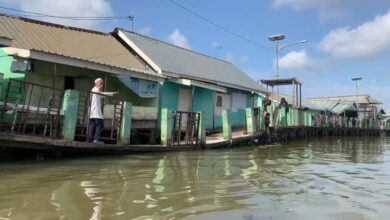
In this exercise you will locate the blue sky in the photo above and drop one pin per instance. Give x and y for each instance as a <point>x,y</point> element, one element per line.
<point>346,38</point>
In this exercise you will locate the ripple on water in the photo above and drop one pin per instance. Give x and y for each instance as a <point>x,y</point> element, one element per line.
<point>320,179</point>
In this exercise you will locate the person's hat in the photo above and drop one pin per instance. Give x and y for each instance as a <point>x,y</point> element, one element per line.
<point>98,79</point>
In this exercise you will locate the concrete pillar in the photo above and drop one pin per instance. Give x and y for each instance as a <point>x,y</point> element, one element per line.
<point>166,127</point>
<point>249,120</point>
<point>124,137</point>
<point>270,110</point>
<point>294,117</point>
<point>227,129</point>
<point>261,119</point>
<point>289,114</point>
<point>202,129</point>
<point>70,109</point>
<point>283,116</point>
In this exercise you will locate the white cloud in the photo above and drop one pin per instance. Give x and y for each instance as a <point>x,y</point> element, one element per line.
<point>145,31</point>
<point>365,41</point>
<point>327,9</point>
<point>295,60</point>
<point>84,8</point>
<point>178,39</point>
<point>307,4</point>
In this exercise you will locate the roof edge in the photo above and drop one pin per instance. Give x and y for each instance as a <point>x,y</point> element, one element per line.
<point>232,86</point>
<point>54,25</point>
<point>76,62</point>
<point>182,48</point>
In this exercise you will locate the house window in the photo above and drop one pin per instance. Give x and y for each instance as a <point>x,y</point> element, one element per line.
<point>219,101</point>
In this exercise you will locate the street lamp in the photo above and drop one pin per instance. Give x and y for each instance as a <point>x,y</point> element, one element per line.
<point>278,48</point>
<point>356,80</point>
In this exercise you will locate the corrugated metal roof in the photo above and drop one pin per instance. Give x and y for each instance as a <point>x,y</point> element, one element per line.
<point>190,64</point>
<point>360,99</point>
<point>305,103</point>
<point>86,45</point>
<point>335,106</point>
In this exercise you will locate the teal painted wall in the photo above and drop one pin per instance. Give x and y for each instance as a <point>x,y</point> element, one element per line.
<point>204,102</point>
<point>238,117</point>
<point>169,95</point>
<point>5,70</point>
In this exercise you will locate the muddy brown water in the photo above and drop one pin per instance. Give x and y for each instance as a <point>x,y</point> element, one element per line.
<point>332,178</point>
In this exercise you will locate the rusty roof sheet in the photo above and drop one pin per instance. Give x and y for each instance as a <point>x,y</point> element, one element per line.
<point>70,42</point>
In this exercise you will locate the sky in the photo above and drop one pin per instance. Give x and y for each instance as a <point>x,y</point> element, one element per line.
<point>345,38</point>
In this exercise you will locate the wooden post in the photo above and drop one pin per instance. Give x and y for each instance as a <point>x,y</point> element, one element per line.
<point>166,127</point>
<point>124,137</point>
<point>226,126</point>
<point>249,120</point>
<point>70,108</point>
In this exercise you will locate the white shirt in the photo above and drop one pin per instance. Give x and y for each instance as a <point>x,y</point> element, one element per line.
<point>96,104</point>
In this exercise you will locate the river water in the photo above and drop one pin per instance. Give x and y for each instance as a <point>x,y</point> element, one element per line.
<point>347,178</point>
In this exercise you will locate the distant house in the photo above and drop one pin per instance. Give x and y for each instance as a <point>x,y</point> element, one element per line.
<point>196,82</point>
<point>367,107</point>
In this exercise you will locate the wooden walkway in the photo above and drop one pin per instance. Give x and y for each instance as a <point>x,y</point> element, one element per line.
<point>30,144</point>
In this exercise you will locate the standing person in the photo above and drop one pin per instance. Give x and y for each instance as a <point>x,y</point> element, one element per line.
<point>96,119</point>
<point>267,121</point>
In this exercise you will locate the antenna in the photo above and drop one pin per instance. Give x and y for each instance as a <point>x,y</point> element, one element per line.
<point>217,47</point>
<point>131,17</point>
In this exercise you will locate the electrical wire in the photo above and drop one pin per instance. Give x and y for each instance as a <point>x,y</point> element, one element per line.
<point>246,39</point>
<point>35,14</point>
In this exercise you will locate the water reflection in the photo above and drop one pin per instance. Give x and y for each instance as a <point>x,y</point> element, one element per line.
<point>331,178</point>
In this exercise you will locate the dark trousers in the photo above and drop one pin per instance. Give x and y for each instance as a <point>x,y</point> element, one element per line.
<point>95,128</point>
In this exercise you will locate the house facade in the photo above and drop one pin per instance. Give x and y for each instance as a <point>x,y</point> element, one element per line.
<point>196,82</point>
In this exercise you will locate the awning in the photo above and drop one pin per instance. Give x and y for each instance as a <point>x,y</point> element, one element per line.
<point>143,88</point>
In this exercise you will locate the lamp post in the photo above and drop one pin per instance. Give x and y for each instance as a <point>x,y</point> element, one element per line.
<point>356,80</point>
<point>278,48</point>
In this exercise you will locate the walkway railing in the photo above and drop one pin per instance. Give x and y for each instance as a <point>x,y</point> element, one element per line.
<point>31,109</point>
<point>112,112</point>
